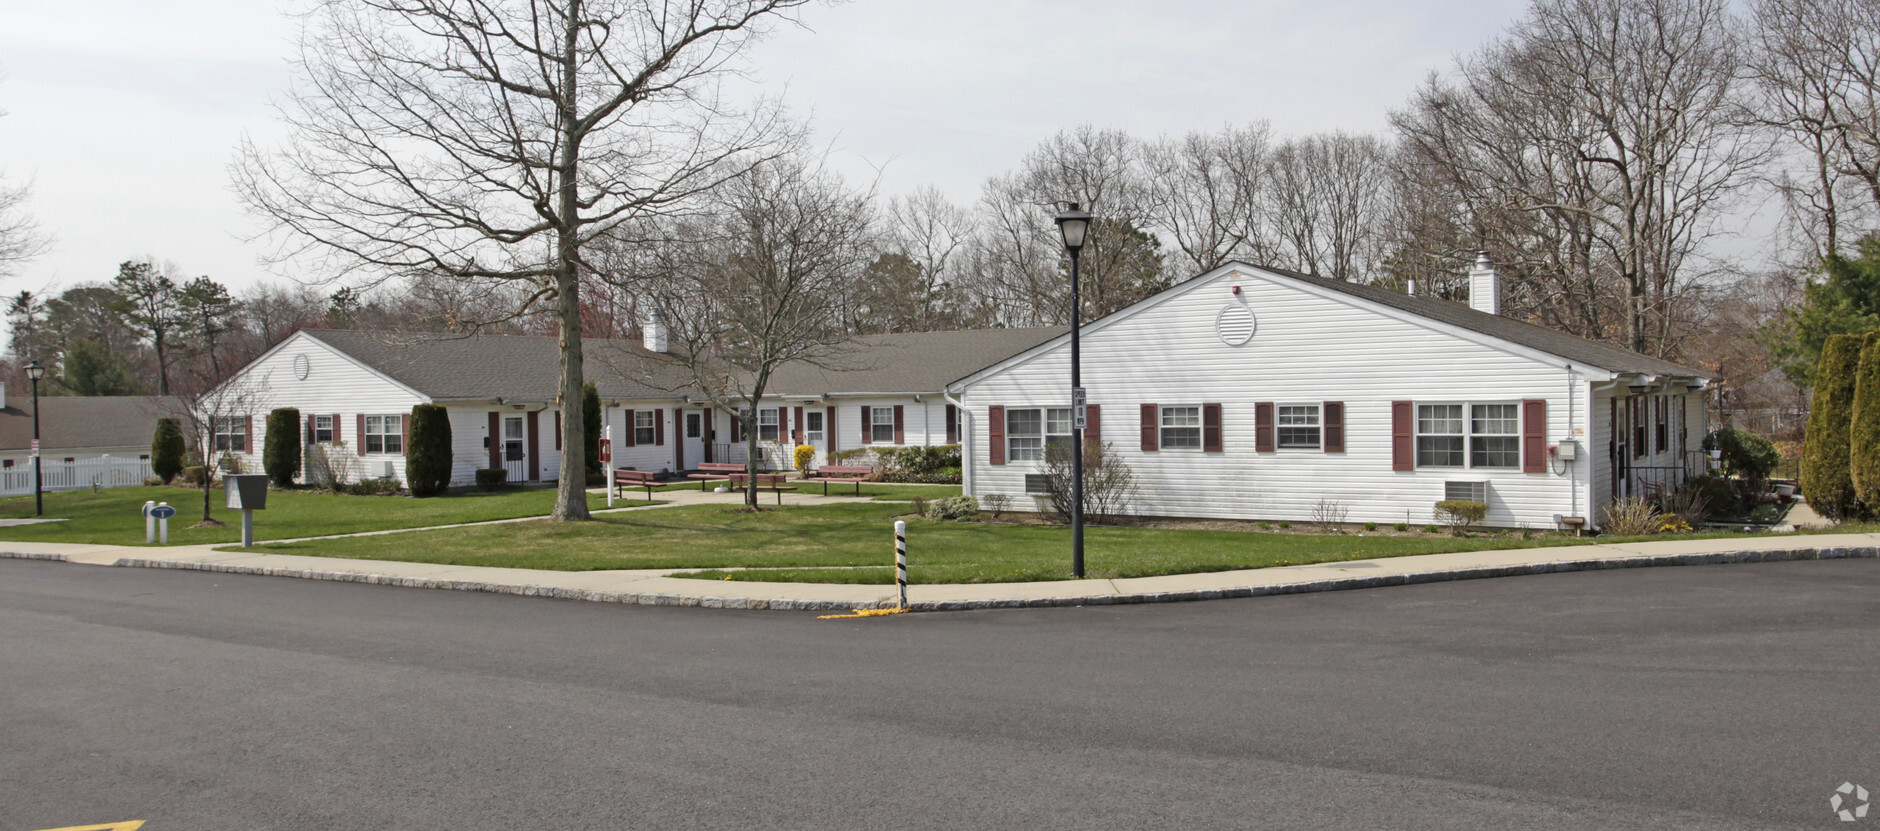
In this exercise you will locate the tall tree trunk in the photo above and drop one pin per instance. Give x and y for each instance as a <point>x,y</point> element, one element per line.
<point>571,485</point>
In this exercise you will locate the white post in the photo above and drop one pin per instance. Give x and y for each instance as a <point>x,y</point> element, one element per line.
<point>150,523</point>
<point>607,435</point>
<point>163,525</point>
<point>900,559</point>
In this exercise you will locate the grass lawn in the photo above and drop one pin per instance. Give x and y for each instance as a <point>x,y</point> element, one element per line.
<point>880,492</point>
<point>113,516</point>
<point>854,543</point>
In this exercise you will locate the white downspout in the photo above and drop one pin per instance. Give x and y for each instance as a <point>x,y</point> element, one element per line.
<point>1573,407</point>
<point>966,442</point>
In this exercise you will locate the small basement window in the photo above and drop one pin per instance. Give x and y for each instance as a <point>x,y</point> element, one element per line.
<point>1472,491</point>
<point>1037,483</point>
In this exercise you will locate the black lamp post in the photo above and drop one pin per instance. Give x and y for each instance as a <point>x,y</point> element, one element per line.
<point>35,372</point>
<point>1073,223</point>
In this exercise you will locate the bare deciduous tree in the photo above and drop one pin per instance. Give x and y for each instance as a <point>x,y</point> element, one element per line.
<point>497,139</point>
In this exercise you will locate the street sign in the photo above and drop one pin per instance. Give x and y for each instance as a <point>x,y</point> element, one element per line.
<point>1080,413</point>
<point>35,447</point>
<point>163,512</point>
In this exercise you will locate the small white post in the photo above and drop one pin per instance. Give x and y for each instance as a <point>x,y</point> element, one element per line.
<point>248,528</point>
<point>900,559</point>
<point>150,523</point>
<point>607,441</point>
<point>163,525</point>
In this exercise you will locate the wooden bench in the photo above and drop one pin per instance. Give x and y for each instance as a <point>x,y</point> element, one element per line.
<point>773,482</point>
<point>842,473</point>
<point>714,472</point>
<point>635,479</point>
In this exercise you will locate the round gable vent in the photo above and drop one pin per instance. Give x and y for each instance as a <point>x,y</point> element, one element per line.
<point>1235,324</point>
<point>301,366</point>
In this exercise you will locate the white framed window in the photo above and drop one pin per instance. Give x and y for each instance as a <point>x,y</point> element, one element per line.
<point>1298,425</point>
<point>645,426</point>
<point>1495,435</point>
<point>767,424</point>
<point>881,425</point>
<point>1028,432</point>
<point>231,434</point>
<point>323,429</point>
<point>1181,428</point>
<point>384,434</point>
<point>1440,438</point>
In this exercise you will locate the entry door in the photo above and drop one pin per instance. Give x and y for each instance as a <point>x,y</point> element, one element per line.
<point>815,433</point>
<point>694,437</point>
<point>515,449</point>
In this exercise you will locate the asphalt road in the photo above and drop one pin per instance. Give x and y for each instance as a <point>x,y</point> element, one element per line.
<point>1719,697</point>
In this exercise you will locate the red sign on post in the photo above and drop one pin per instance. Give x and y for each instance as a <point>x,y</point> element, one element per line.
<point>35,447</point>
<point>607,450</point>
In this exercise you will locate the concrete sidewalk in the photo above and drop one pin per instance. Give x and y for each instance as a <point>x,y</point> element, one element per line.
<point>658,588</point>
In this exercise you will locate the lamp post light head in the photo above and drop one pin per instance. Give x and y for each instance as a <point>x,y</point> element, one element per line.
<point>35,371</point>
<point>1073,223</point>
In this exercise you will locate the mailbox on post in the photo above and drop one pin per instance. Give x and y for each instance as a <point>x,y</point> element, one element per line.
<point>247,493</point>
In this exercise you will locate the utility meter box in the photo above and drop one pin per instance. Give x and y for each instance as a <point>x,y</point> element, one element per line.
<point>246,491</point>
<point>1568,450</point>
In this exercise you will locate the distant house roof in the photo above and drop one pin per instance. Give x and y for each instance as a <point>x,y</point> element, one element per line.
<point>1576,349</point>
<point>526,367</point>
<point>85,423</point>
<point>907,363</point>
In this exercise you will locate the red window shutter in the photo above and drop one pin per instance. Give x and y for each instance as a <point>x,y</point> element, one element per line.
<point>1402,436</point>
<point>360,441</point>
<point>631,432</point>
<point>829,428</point>
<point>336,431</point>
<point>1093,427</point>
<point>797,433</point>
<point>1534,436</point>
<point>535,446</point>
<point>404,433</point>
<point>1332,417</point>
<point>248,434</point>
<point>868,425</point>
<point>899,436</point>
<point>659,428</point>
<point>495,439</point>
<point>1263,427</point>
<point>995,434</point>
<point>953,424</point>
<point>1150,427</point>
<point>1211,426</point>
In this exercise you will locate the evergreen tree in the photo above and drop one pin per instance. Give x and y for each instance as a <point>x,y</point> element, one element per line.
<point>166,450</point>
<point>427,456</point>
<point>206,315</point>
<point>149,305</point>
<point>280,455</point>
<point>90,369</point>
<point>1845,301</point>
<point>1826,472</point>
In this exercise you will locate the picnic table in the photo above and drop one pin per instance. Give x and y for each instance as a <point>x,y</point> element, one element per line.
<point>856,474</point>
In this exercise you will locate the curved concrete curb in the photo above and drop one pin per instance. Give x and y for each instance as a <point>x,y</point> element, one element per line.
<point>807,605</point>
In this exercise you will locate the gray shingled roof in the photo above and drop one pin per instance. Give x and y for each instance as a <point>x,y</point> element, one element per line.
<point>907,363</point>
<point>525,367</point>
<point>1576,349</point>
<point>79,423</point>
<point>514,367</point>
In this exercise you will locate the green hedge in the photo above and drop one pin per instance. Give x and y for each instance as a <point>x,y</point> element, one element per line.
<point>280,453</point>
<point>166,450</point>
<point>1864,429</point>
<point>427,456</point>
<point>1826,470</point>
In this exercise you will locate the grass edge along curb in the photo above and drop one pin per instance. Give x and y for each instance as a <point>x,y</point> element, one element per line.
<point>793,604</point>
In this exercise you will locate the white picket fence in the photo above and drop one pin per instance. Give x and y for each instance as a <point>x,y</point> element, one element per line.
<point>60,475</point>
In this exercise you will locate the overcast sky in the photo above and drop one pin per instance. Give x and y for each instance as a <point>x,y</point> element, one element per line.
<point>125,114</point>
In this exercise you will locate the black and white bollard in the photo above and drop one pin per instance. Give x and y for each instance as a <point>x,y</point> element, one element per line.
<point>900,559</point>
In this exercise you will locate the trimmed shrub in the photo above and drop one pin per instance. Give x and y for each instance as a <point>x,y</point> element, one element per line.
<point>1753,457</point>
<point>492,478</point>
<point>919,464</point>
<point>280,453</point>
<point>953,507</point>
<point>427,456</point>
<point>1863,431</point>
<point>166,450</point>
<point>1827,479</point>
<point>372,486</point>
<point>1459,514</point>
<point>591,430</point>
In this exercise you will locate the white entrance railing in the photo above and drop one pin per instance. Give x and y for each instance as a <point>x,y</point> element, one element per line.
<point>60,475</point>
<point>518,470</point>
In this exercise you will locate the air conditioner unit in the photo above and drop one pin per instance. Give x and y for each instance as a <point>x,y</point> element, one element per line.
<point>1472,491</point>
<point>390,471</point>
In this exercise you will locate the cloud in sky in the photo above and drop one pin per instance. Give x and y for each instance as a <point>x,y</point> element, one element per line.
<point>125,114</point>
